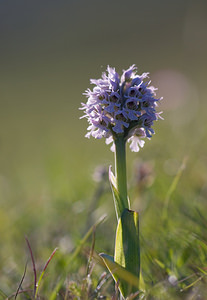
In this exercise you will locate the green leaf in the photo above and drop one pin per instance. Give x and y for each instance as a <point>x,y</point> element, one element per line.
<point>127,248</point>
<point>120,274</point>
<point>116,196</point>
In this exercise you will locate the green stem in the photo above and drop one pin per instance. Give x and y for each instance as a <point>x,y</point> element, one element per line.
<point>120,171</point>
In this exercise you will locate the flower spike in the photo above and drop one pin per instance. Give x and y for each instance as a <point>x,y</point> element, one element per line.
<point>121,105</point>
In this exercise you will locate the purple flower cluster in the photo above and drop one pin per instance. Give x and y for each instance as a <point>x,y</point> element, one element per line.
<point>121,106</point>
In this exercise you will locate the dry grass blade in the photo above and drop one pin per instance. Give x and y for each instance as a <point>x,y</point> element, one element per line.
<point>20,284</point>
<point>33,263</point>
<point>116,294</point>
<point>134,295</point>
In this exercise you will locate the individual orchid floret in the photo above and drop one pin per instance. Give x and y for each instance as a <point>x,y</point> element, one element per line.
<point>121,105</point>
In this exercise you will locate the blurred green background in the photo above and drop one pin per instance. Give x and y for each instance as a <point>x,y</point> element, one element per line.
<point>49,50</point>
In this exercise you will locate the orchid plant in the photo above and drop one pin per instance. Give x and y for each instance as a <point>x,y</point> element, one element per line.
<point>122,109</point>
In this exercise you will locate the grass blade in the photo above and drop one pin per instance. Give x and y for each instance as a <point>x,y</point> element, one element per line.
<point>33,264</point>
<point>20,284</point>
<point>43,271</point>
<point>173,187</point>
